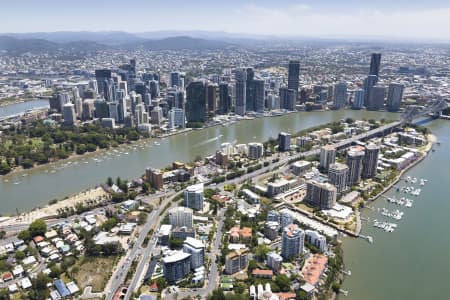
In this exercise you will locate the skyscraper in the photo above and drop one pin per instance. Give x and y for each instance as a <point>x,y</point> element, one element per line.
<point>196,102</point>
<point>288,98</point>
<point>102,76</point>
<point>69,115</point>
<point>376,97</point>
<point>175,79</point>
<point>176,266</point>
<point>176,118</point>
<point>286,219</point>
<point>293,75</point>
<point>340,95</point>
<point>358,99</point>
<point>321,195</point>
<point>337,176</point>
<point>327,156</point>
<point>292,241</point>
<point>224,98</point>
<point>395,95</point>
<point>196,249</point>
<point>241,87</point>
<point>355,156</point>
<point>259,95</point>
<point>180,217</point>
<point>250,104</point>
<point>193,196</point>
<point>369,82</point>
<point>212,98</point>
<point>284,141</point>
<point>375,63</point>
<point>370,161</point>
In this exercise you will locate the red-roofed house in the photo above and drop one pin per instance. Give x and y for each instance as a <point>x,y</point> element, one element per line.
<point>262,273</point>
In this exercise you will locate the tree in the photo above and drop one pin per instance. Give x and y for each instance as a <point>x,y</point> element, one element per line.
<point>38,227</point>
<point>283,282</point>
<point>109,181</point>
<point>175,243</point>
<point>39,289</point>
<point>4,168</point>
<point>20,255</point>
<point>261,252</point>
<point>217,295</point>
<point>27,163</point>
<point>24,235</point>
<point>142,218</point>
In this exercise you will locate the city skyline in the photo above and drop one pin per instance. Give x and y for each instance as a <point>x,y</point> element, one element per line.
<point>352,19</point>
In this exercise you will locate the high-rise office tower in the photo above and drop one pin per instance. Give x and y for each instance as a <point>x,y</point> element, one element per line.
<point>113,108</point>
<point>176,118</point>
<point>327,156</point>
<point>321,195</point>
<point>250,104</point>
<point>154,88</point>
<point>122,109</point>
<point>241,91</point>
<point>358,99</point>
<point>337,176</point>
<point>376,97</point>
<point>355,156</point>
<point>369,82</point>
<point>292,242</point>
<point>175,79</point>
<point>196,96</point>
<point>156,115</point>
<point>69,115</point>
<point>370,161</point>
<point>293,75</point>
<point>340,95</point>
<point>193,196</point>
<point>224,98</point>
<point>287,98</point>
<point>259,95</point>
<point>101,108</point>
<point>212,98</point>
<point>375,63</point>
<point>103,76</point>
<point>395,95</point>
<point>284,141</point>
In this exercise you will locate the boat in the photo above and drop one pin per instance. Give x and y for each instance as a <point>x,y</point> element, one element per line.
<point>17,182</point>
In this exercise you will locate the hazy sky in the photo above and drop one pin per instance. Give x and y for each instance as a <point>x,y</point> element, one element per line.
<point>421,19</point>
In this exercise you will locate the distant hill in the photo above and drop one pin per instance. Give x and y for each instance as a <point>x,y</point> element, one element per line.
<point>180,43</point>
<point>110,38</point>
<point>22,45</point>
<point>15,45</point>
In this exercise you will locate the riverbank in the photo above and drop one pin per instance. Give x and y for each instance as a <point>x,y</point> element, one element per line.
<point>424,153</point>
<point>51,210</point>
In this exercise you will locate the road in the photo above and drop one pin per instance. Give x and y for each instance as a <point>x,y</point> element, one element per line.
<point>122,269</point>
<point>119,275</point>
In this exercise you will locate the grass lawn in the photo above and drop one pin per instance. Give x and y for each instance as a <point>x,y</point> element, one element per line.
<point>93,271</point>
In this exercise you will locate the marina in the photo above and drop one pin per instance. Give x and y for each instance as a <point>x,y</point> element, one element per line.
<point>396,258</point>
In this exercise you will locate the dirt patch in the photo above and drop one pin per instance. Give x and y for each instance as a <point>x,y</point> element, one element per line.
<point>94,272</point>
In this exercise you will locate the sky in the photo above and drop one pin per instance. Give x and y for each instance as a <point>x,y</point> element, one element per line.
<point>395,19</point>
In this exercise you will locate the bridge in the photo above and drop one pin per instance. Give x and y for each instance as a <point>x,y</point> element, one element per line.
<point>412,112</point>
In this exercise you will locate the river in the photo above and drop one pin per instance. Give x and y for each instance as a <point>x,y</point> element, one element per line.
<point>18,108</point>
<point>61,179</point>
<point>411,262</point>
